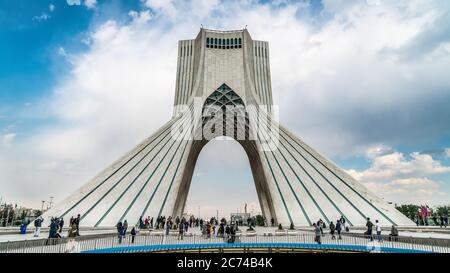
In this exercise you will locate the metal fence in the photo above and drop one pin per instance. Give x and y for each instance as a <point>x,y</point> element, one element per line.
<point>151,242</point>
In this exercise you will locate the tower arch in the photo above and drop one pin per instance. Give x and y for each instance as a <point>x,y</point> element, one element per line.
<point>218,106</point>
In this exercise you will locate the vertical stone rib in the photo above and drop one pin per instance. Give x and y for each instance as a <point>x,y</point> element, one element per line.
<point>269,77</point>
<point>177,83</point>
<point>263,77</point>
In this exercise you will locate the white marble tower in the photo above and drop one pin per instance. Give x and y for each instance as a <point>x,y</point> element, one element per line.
<point>295,184</point>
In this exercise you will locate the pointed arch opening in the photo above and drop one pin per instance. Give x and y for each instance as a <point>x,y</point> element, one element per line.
<point>234,125</point>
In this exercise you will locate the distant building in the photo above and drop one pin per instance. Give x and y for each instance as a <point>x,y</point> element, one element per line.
<point>240,218</point>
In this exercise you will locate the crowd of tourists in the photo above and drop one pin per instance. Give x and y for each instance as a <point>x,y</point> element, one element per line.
<point>181,225</point>
<point>320,226</point>
<point>213,227</point>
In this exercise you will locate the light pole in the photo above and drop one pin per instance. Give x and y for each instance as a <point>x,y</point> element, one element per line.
<point>42,207</point>
<point>7,216</point>
<point>198,211</point>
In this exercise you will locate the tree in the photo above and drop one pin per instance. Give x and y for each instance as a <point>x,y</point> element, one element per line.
<point>410,211</point>
<point>443,210</point>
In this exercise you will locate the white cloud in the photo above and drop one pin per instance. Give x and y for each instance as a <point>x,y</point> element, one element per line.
<point>377,151</point>
<point>395,165</point>
<point>140,17</point>
<point>43,17</point>
<point>411,191</point>
<point>404,180</point>
<point>62,51</point>
<point>90,3</point>
<point>51,7</point>
<point>8,138</point>
<point>447,152</point>
<point>73,2</point>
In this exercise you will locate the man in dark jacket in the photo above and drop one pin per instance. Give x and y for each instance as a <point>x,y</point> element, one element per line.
<point>119,231</point>
<point>61,224</point>
<point>369,226</point>
<point>332,230</point>
<point>133,234</point>
<point>77,223</point>
<point>338,229</point>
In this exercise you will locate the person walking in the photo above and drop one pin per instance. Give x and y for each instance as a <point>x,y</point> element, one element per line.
<point>338,229</point>
<point>317,234</point>
<point>37,226</point>
<point>167,227</point>
<point>208,230</point>
<point>378,229</point>
<point>73,231</point>
<point>125,227</point>
<point>320,225</point>
<point>181,230</point>
<point>332,230</point>
<point>232,238</point>
<point>61,224</point>
<point>133,234</point>
<point>77,222</point>
<point>119,231</point>
<point>53,229</point>
<point>342,222</point>
<point>369,226</point>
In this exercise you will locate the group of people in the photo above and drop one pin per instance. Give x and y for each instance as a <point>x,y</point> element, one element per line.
<point>340,225</point>
<point>56,226</point>
<point>207,227</point>
<point>441,221</point>
<point>370,234</point>
<point>122,231</point>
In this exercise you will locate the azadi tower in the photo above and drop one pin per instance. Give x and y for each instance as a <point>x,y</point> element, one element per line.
<point>223,88</point>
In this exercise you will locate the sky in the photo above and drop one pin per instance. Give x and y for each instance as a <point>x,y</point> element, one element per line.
<point>365,82</point>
